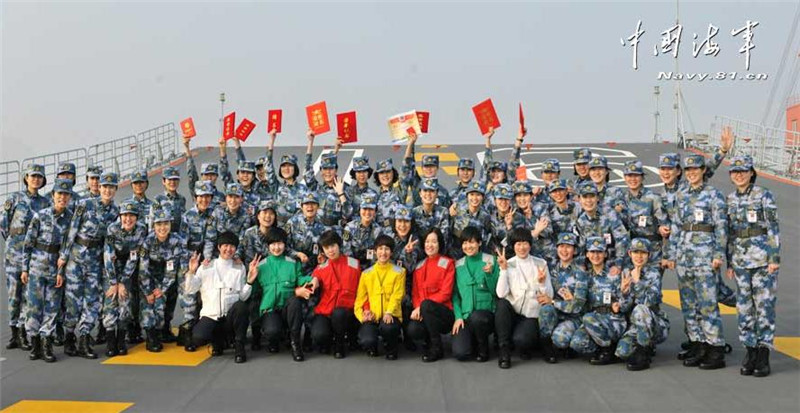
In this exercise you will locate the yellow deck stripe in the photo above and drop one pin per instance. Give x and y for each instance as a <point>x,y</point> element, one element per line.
<point>789,346</point>
<point>65,406</point>
<point>171,355</point>
<point>443,156</point>
<point>672,297</point>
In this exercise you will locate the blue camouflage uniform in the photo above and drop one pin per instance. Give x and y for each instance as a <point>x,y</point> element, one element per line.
<point>304,235</point>
<point>609,197</point>
<point>144,204</point>
<point>579,156</point>
<point>389,199</point>
<point>225,220</point>
<point>412,182</point>
<point>498,225</point>
<point>83,252</point>
<point>174,204</point>
<point>91,172</point>
<point>332,209</point>
<point>65,168</point>
<point>254,193</point>
<point>359,239</point>
<point>43,239</point>
<point>480,219</point>
<point>18,211</point>
<point>458,195</point>
<point>355,192</point>
<point>548,165</point>
<point>561,219</point>
<point>544,242</point>
<point>205,169</point>
<point>648,324</point>
<point>643,213</point>
<point>753,244</point>
<point>287,196</point>
<point>560,319</point>
<point>437,217</point>
<point>606,225</point>
<point>510,167</point>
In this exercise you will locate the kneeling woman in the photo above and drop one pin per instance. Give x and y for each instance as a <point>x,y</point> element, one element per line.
<point>284,291</point>
<point>604,323</point>
<point>432,313</point>
<point>474,298</point>
<point>523,287</point>
<point>377,306</point>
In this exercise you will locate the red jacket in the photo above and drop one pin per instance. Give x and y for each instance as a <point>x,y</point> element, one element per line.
<point>433,280</point>
<point>338,280</point>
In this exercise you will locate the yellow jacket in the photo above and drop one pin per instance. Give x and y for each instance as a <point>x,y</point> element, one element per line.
<point>383,287</point>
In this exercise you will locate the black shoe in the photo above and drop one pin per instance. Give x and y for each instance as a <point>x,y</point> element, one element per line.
<point>255,344</point>
<point>69,345</point>
<point>714,358</point>
<point>297,351</point>
<point>372,352</point>
<point>639,360</point>
<point>504,361</point>
<point>434,352</point>
<point>240,353</point>
<point>749,362</point>
<point>47,350</point>
<point>36,348</point>
<point>273,347</point>
<point>603,356</point>
<point>761,368</point>
<point>13,342</point>
<point>122,348</point>
<point>101,335</point>
<point>549,351</point>
<point>339,353</point>
<point>182,332</point>
<point>217,346</point>
<point>167,336</point>
<point>695,355</point>
<point>23,340</point>
<point>686,345</point>
<point>88,351</point>
<point>391,356</point>
<point>152,344</point>
<point>111,343</point>
<point>308,345</point>
<point>58,341</point>
<point>135,335</point>
<point>688,350</point>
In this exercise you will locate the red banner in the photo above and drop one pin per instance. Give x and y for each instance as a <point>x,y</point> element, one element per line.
<point>486,116</point>
<point>317,115</point>
<point>274,118</point>
<point>228,125</point>
<point>346,127</point>
<point>187,126</point>
<point>423,118</point>
<point>245,129</point>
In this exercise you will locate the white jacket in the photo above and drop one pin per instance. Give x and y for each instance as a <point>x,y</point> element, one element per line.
<point>519,284</point>
<point>221,285</point>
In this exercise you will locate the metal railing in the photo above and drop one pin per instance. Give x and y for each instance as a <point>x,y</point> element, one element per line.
<point>146,150</point>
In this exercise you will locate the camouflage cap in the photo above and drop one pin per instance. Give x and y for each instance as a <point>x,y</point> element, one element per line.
<point>430,160</point>
<point>309,198</point>
<point>429,184</point>
<point>35,169</point>
<point>204,188</point>
<point>598,162</point>
<point>109,178</point>
<point>161,215</point>
<point>476,186</point>
<point>171,173</point>
<point>639,244</point>
<point>551,165</point>
<point>556,185</point>
<point>466,163</point>
<point>384,166</point>
<point>66,168</point>
<point>94,171</point>
<point>266,204</point>
<point>139,176</point>
<point>633,168</point>
<point>246,166</point>
<point>260,162</point>
<point>568,238</point>
<point>669,160</point>
<point>129,207</point>
<point>522,187</point>
<point>63,186</point>
<point>582,155</point>
<point>403,213</point>
<point>329,162</point>
<point>588,188</point>
<point>694,161</point>
<point>595,244</point>
<point>368,201</point>
<point>360,163</point>
<point>209,169</point>
<point>234,188</point>
<point>290,159</point>
<point>742,163</point>
<point>503,166</point>
<point>502,191</point>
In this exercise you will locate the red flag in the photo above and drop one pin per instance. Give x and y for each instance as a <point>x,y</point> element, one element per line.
<point>423,121</point>
<point>187,126</point>
<point>317,115</point>
<point>411,132</point>
<point>521,173</point>
<point>274,118</point>
<point>228,125</point>
<point>245,129</point>
<point>486,116</point>
<point>346,127</point>
<point>521,119</point>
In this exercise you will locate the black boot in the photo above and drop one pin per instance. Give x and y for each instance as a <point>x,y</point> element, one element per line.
<point>749,361</point>
<point>101,335</point>
<point>184,334</point>
<point>135,334</point>
<point>603,356</point>
<point>69,345</point>
<point>434,352</point>
<point>167,336</point>
<point>13,342</point>
<point>688,350</point>
<point>714,358</point>
<point>695,355</point>
<point>85,349</point>
<point>122,348</point>
<point>255,345</point>
<point>47,350</point>
<point>58,341</point>
<point>23,340</point>
<point>297,351</point>
<point>339,347</point>
<point>36,348</point>
<point>483,353</point>
<point>189,344</point>
<point>217,346</point>
<point>504,361</point>
<point>153,345</point>
<point>307,343</point>
<point>549,351</point>
<point>761,368</point>
<point>111,343</point>
<point>639,360</point>
<point>240,353</point>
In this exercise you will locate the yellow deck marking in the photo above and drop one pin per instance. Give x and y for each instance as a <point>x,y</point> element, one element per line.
<point>171,355</point>
<point>432,146</point>
<point>449,170</point>
<point>64,406</point>
<point>443,156</point>
<point>672,298</point>
<point>789,346</point>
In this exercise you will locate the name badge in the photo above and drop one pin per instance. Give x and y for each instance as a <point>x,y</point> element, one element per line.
<point>315,249</point>
<point>607,237</point>
<point>170,265</point>
<point>752,217</point>
<point>133,256</point>
<point>370,254</point>
<point>437,201</point>
<point>698,215</point>
<point>606,298</point>
<point>337,207</point>
<point>504,242</point>
<point>399,263</point>
<point>642,221</point>
<point>251,210</point>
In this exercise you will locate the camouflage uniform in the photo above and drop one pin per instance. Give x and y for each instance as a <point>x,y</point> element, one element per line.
<point>18,211</point>
<point>648,323</point>
<point>332,210</point>
<point>458,195</point>
<point>544,242</point>
<point>464,218</point>
<point>548,165</point>
<point>83,252</point>
<point>579,156</point>
<point>355,192</point>
<point>91,172</point>
<point>643,213</point>
<point>608,197</point>
<point>510,167</point>
<point>254,193</point>
<point>207,169</point>
<point>304,235</point>
<point>699,235</point>
<point>287,196</point>
<point>144,204</point>
<point>604,224</point>
<point>390,199</point>
<point>174,204</point>
<point>438,216</point>
<point>560,319</point>
<point>412,182</point>
<point>561,220</point>
<point>66,168</point>
<point>44,237</point>
<point>359,240</point>
<point>754,243</point>
<point>498,223</point>
<point>224,220</point>
<point>254,242</point>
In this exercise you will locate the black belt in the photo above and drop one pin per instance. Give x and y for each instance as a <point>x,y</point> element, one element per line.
<point>606,309</point>
<point>749,232</point>
<point>698,227</point>
<point>16,231</point>
<point>654,237</point>
<point>122,253</point>
<point>88,243</point>
<point>48,248</point>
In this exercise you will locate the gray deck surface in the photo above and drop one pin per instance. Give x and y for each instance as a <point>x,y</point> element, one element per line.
<point>270,382</point>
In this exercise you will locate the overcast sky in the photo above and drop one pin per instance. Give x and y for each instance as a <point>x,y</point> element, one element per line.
<point>74,74</point>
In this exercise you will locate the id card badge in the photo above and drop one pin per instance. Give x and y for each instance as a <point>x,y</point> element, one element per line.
<point>133,256</point>
<point>752,217</point>
<point>315,249</point>
<point>642,221</point>
<point>251,210</point>
<point>170,265</point>
<point>400,263</point>
<point>606,298</point>
<point>370,254</point>
<point>337,207</point>
<point>607,237</point>
<point>698,215</point>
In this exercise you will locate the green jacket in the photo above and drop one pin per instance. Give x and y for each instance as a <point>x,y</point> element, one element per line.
<point>474,289</point>
<point>278,277</point>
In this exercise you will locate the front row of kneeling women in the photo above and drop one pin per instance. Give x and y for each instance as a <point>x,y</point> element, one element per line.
<point>562,309</point>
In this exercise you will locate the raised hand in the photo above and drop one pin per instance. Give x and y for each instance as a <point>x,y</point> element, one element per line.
<point>542,273</point>
<point>252,272</point>
<point>727,139</point>
<point>411,244</point>
<point>194,262</point>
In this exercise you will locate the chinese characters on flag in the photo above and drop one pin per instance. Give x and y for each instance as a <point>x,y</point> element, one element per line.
<point>274,120</point>
<point>317,115</point>
<point>187,126</point>
<point>486,116</point>
<point>245,129</point>
<point>423,118</point>
<point>346,126</point>
<point>228,123</point>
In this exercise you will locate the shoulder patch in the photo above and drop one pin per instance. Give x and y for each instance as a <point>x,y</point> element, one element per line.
<point>7,205</point>
<point>443,262</point>
<point>420,265</point>
<point>397,269</point>
<point>352,262</point>
<point>290,259</point>
<point>460,262</point>
<point>487,258</point>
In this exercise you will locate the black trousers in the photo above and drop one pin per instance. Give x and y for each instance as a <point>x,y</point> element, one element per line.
<point>253,304</point>
<point>510,326</point>
<point>274,324</point>
<point>477,328</point>
<point>169,306</point>
<point>207,330</point>
<point>368,335</point>
<point>341,322</point>
<point>135,295</point>
<point>437,319</point>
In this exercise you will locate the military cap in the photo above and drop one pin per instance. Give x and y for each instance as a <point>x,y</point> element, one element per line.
<point>384,166</point>
<point>741,163</point>
<point>588,188</point>
<point>35,169</point>
<point>430,160</point>
<point>639,244</point>
<point>128,207</point>
<point>209,168</point>
<point>310,198</point>
<point>109,178</point>
<point>261,162</point>
<point>266,204</point>
<point>203,188</point>
<point>139,176</point>
<point>595,244</point>
<point>403,213</point>
<point>466,163</point>
<point>290,159</point>
<point>429,183</point>
<point>246,166</point>
<point>368,201</point>
<point>234,188</point>
<point>171,173</point>
<point>669,160</point>
<point>476,186</point>
<point>522,187</point>
<point>633,168</point>
<point>66,167</point>
<point>568,238</point>
<point>598,162</point>
<point>503,191</point>
<point>329,162</point>
<point>360,163</point>
<point>63,186</point>
<point>582,155</point>
<point>94,171</point>
<point>161,215</point>
<point>551,165</point>
<point>694,161</point>
<point>503,166</point>
<point>556,185</point>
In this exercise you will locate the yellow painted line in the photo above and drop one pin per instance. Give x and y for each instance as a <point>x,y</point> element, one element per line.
<point>443,157</point>
<point>171,355</point>
<point>449,170</point>
<point>789,346</point>
<point>64,406</point>
<point>432,146</point>
<point>672,297</point>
